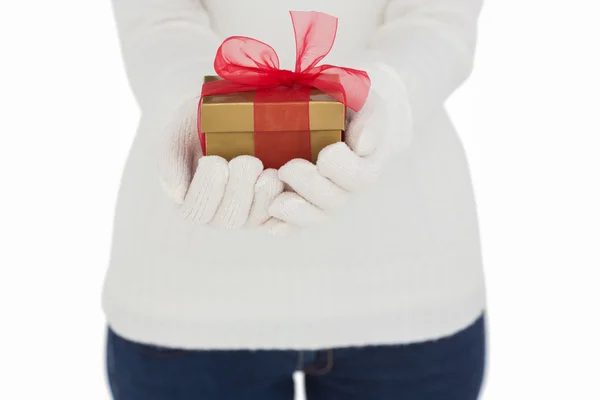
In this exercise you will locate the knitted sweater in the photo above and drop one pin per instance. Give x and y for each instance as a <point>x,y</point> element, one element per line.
<point>400,263</point>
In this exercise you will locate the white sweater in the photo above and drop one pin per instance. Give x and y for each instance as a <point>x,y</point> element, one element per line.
<point>401,263</point>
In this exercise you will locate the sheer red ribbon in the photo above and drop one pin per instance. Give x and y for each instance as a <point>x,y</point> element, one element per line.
<point>247,64</point>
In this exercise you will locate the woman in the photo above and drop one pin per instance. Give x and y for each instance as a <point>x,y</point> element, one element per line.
<point>365,272</point>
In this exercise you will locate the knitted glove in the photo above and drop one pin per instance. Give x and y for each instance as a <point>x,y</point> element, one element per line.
<point>208,189</point>
<point>380,129</point>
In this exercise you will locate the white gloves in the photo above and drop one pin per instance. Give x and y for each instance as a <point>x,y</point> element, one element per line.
<point>210,190</point>
<point>231,194</point>
<point>240,193</point>
<point>380,129</point>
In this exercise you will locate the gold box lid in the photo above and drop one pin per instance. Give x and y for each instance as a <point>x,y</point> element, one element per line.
<point>234,112</point>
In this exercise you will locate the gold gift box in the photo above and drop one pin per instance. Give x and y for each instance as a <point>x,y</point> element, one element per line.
<point>227,122</point>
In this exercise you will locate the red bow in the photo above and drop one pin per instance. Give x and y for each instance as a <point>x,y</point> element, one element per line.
<point>248,64</point>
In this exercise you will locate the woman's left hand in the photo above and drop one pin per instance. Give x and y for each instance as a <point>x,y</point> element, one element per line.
<point>379,129</point>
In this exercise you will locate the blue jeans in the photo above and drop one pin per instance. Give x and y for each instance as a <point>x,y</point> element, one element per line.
<point>447,369</point>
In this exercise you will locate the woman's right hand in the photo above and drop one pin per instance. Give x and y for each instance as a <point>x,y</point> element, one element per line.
<point>209,189</point>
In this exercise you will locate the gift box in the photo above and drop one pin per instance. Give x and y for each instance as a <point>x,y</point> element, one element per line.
<point>275,125</point>
<point>253,107</point>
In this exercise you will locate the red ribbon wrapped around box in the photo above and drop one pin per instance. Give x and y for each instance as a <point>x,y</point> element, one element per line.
<point>249,65</point>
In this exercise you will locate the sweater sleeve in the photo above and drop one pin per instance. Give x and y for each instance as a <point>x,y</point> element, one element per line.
<point>427,45</point>
<point>168,46</point>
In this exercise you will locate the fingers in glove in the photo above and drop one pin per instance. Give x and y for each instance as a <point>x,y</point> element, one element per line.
<point>179,152</point>
<point>206,190</point>
<point>291,208</point>
<point>304,178</point>
<point>267,188</point>
<point>346,169</point>
<point>365,131</point>
<point>239,192</point>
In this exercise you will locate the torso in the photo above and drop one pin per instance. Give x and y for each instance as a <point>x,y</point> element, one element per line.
<point>399,264</point>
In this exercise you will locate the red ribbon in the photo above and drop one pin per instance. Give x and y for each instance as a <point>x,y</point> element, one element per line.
<point>247,64</point>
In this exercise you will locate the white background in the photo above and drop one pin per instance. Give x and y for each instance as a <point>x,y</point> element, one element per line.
<point>529,118</point>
